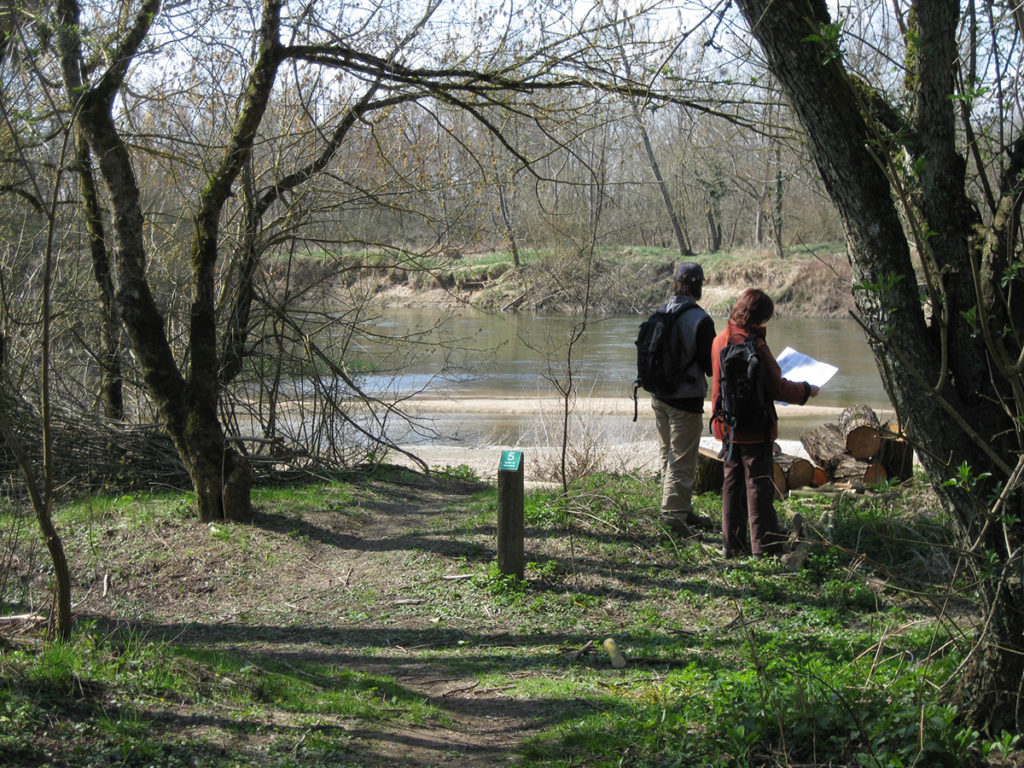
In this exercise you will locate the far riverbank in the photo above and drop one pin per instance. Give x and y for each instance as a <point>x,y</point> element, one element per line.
<point>809,281</point>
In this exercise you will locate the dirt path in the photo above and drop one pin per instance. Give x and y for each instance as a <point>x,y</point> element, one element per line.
<point>363,582</point>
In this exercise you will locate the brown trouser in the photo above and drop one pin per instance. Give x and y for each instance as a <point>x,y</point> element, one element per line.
<point>748,493</point>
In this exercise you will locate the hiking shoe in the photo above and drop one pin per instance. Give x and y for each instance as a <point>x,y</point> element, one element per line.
<point>731,553</point>
<point>680,529</point>
<point>702,522</point>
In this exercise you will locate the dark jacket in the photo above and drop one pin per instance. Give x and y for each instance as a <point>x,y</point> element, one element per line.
<point>692,334</point>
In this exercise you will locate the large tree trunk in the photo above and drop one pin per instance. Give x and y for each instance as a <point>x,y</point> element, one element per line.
<point>936,368</point>
<point>109,356</point>
<point>188,406</point>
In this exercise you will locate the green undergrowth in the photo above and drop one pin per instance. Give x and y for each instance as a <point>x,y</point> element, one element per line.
<point>114,699</point>
<point>363,608</point>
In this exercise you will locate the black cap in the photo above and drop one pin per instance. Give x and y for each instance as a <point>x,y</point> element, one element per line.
<point>691,271</point>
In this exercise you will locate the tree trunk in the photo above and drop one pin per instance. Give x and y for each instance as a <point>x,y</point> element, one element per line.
<point>222,481</point>
<point>506,217</point>
<point>677,227</point>
<point>109,355</point>
<point>61,623</point>
<point>777,213</point>
<point>937,370</point>
<point>188,407</point>
<point>993,671</point>
<point>714,229</point>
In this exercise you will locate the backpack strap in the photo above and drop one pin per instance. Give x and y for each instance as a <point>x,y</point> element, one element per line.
<point>768,404</point>
<point>677,313</point>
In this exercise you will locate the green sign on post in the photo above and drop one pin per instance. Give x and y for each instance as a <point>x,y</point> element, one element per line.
<point>510,461</point>
<point>510,514</point>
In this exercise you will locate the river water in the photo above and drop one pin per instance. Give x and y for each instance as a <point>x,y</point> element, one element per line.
<point>500,358</point>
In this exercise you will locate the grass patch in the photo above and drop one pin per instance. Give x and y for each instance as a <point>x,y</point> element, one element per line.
<point>116,699</point>
<point>361,620</point>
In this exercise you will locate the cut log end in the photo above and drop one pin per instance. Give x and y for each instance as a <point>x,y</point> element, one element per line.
<point>860,429</point>
<point>863,442</point>
<point>799,472</point>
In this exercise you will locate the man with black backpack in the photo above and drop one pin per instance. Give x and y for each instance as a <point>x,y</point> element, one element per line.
<point>746,382</point>
<point>673,359</point>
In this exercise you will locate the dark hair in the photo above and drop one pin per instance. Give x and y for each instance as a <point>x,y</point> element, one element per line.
<point>753,307</point>
<point>688,286</point>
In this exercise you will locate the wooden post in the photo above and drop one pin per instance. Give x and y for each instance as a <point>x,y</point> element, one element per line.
<point>510,514</point>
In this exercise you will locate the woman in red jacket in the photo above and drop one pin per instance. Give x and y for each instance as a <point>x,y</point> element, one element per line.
<point>748,490</point>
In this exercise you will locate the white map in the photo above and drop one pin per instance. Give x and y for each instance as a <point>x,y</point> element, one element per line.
<point>797,366</point>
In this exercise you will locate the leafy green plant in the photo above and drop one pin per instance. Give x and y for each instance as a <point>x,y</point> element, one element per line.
<point>1001,747</point>
<point>504,588</point>
<point>829,37</point>
<point>542,508</point>
<point>462,473</point>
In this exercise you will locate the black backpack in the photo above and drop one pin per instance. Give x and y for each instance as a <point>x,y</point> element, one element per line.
<point>657,370</point>
<point>742,402</point>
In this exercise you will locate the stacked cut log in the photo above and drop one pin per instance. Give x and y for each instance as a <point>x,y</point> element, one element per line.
<point>854,451</point>
<point>896,454</point>
<point>789,472</point>
<point>792,472</point>
<point>857,450</point>
<point>860,429</point>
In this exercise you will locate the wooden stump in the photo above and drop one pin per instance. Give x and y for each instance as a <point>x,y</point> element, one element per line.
<point>860,429</point>
<point>825,445</point>
<point>818,477</point>
<point>875,473</point>
<point>710,472</point>
<point>798,472</point>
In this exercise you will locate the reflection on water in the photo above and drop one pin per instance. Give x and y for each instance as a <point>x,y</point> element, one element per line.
<point>480,355</point>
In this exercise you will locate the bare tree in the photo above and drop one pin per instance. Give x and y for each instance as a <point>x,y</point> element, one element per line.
<point>185,386</point>
<point>670,208</point>
<point>40,485</point>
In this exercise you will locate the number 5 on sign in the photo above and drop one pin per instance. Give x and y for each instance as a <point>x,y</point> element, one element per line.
<point>510,461</point>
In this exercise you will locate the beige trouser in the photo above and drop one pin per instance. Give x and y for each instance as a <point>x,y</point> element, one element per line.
<point>679,433</point>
